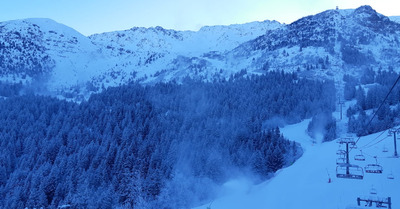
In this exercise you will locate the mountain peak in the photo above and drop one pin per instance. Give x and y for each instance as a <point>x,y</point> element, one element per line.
<point>368,17</point>
<point>365,9</point>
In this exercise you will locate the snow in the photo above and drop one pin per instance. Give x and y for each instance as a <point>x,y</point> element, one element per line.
<point>110,59</point>
<point>304,184</point>
<point>395,19</point>
<point>188,43</point>
<point>158,54</point>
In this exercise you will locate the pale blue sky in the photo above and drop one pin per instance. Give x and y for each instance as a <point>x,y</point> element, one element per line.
<point>96,16</point>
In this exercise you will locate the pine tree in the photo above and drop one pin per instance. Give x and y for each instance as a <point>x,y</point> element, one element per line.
<point>275,160</point>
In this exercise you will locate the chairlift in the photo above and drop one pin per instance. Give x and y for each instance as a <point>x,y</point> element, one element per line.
<point>341,152</point>
<point>359,157</point>
<point>390,176</point>
<point>373,191</point>
<point>374,168</point>
<point>389,133</point>
<point>353,146</point>
<point>385,149</point>
<point>340,160</point>
<point>349,171</point>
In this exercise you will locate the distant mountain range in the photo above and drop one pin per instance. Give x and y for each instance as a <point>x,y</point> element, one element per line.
<point>326,45</point>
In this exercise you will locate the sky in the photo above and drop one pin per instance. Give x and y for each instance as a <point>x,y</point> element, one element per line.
<point>97,16</point>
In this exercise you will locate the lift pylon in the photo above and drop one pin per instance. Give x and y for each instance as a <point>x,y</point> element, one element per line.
<point>347,170</point>
<point>394,132</point>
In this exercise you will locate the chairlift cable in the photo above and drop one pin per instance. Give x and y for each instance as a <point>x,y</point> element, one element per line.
<point>375,143</point>
<point>373,116</point>
<point>373,139</point>
<point>373,156</point>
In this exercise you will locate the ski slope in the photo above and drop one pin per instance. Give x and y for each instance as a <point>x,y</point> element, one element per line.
<point>304,185</point>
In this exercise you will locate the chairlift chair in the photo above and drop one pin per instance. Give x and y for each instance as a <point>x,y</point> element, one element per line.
<point>353,146</point>
<point>340,160</point>
<point>349,171</point>
<point>373,191</point>
<point>385,149</point>
<point>340,152</point>
<point>390,176</point>
<point>374,168</point>
<point>359,157</point>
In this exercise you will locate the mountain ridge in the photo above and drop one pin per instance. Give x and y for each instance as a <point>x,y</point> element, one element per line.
<point>326,45</point>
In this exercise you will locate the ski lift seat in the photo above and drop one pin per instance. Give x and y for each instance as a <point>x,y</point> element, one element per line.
<point>373,191</point>
<point>390,176</point>
<point>373,168</point>
<point>359,157</point>
<point>341,152</point>
<point>340,160</point>
<point>385,149</point>
<point>354,171</point>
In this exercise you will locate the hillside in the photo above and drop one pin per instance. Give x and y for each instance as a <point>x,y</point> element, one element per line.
<point>68,64</point>
<point>44,51</point>
<point>333,42</point>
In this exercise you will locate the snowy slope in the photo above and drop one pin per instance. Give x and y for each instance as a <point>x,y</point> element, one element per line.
<point>45,49</point>
<point>395,19</point>
<point>325,45</point>
<point>186,43</point>
<point>46,52</point>
<point>305,184</point>
<point>158,54</point>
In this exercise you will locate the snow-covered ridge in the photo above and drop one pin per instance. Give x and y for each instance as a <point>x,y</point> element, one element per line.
<point>72,60</point>
<point>331,42</point>
<point>325,45</point>
<point>208,38</point>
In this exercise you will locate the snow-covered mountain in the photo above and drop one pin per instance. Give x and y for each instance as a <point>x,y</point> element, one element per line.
<point>328,45</point>
<point>44,50</point>
<point>189,43</point>
<point>332,42</point>
<point>153,54</point>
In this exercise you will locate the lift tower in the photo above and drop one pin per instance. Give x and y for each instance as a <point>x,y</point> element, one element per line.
<point>348,141</point>
<point>394,132</point>
<point>347,170</point>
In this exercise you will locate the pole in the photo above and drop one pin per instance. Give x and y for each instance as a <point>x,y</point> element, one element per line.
<point>347,159</point>
<point>395,145</point>
<point>341,108</point>
<point>341,117</point>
